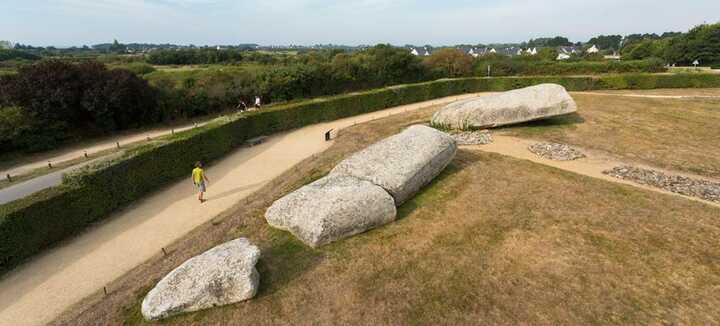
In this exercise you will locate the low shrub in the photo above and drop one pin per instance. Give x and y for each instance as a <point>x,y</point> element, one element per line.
<point>30,224</point>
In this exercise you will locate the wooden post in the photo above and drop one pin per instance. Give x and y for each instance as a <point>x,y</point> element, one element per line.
<point>117,143</point>
<point>86,156</point>
<point>105,289</point>
<point>9,178</point>
<point>163,250</point>
<point>49,164</point>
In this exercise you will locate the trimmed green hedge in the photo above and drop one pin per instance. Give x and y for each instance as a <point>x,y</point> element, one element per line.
<point>30,224</point>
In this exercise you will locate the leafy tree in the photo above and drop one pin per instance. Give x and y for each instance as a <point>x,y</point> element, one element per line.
<point>64,100</point>
<point>648,48</point>
<point>450,62</point>
<point>549,42</point>
<point>116,47</point>
<point>607,42</point>
<point>700,43</point>
<point>547,54</point>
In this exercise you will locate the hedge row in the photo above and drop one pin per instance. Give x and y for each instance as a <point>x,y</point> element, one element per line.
<point>30,224</point>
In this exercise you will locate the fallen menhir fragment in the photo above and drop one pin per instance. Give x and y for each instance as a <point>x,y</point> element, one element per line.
<point>362,191</point>
<point>222,275</point>
<point>516,106</point>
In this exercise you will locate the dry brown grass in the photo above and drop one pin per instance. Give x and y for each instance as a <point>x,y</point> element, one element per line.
<point>494,240</point>
<point>675,134</point>
<point>671,91</point>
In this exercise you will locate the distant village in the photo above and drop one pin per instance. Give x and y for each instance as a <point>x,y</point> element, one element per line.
<point>564,52</point>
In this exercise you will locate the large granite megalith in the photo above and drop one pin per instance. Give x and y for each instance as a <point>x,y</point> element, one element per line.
<point>222,275</point>
<point>520,105</point>
<point>403,163</point>
<point>332,208</point>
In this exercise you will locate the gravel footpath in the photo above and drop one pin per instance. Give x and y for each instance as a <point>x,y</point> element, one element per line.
<point>702,189</point>
<point>555,151</point>
<point>481,137</point>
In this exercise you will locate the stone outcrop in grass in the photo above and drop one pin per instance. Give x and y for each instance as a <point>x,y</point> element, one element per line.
<point>403,163</point>
<point>332,208</point>
<point>222,275</point>
<point>521,105</point>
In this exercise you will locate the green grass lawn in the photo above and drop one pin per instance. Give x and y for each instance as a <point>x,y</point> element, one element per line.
<point>178,74</point>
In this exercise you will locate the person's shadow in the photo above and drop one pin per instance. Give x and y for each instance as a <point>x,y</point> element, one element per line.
<point>235,191</point>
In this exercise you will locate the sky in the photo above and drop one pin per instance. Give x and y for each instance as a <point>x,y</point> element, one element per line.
<point>350,22</point>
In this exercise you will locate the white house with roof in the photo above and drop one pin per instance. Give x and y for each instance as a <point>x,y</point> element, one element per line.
<point>592,49</point>
<point>423,53</point>
<point>474,52</point>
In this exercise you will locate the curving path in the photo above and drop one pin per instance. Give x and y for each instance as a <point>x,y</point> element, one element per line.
<point>78,151</point>
<point>38,291</point>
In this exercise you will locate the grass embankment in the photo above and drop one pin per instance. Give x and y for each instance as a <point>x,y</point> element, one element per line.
<point>676,134</point>
<point>493,240</point>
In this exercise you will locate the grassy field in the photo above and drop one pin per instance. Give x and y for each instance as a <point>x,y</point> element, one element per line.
<point>677,134</point>
<point>178,74</point>
<point>493,240</point>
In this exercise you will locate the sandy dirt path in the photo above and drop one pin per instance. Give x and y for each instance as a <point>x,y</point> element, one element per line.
<point>593,165</point>
<point>78,151</point>
<point>38,291</point>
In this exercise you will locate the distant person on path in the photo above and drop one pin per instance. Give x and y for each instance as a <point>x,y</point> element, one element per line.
<point>257,102</point>
<point>242,106</point>
<point>199,179</point>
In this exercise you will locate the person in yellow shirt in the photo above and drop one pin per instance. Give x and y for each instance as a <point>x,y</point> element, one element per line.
<point>199,179</point>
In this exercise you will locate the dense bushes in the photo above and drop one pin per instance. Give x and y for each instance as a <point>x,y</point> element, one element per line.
<point>207,56</point>
<point>35,222</point>
<point>7,54</point>
<point>701,43</point>
<point>58,100</point>
<point>529,66</point>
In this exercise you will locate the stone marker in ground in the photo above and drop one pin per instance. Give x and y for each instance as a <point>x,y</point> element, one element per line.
<point>521,105</point>
<point>222,275</point>
<point>332,208</point>
<point>555,151</point>
<point>403,163</point>
<point>703,189</point>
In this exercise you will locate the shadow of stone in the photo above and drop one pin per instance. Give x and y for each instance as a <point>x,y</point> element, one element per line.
<point>558,121</point>
<point>428,193</point>
<point>283,261</point>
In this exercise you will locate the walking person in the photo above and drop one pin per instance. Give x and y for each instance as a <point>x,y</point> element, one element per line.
<point>257,102</point>
<point>241,106</point>
<point>199,179</point>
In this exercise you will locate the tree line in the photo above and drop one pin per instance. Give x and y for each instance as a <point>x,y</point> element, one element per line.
<point>52,101</point>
